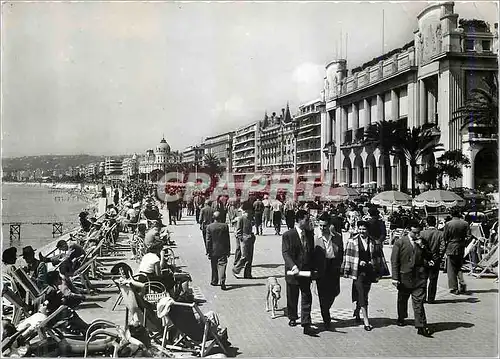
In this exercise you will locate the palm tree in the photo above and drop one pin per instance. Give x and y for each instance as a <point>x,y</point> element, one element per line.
<point>416,143</point>
<point>384,135</point>
<point>481,108</point>
<point>212,165</point>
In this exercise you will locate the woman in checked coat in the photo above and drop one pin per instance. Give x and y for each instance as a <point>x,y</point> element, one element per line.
<point>362,262</point>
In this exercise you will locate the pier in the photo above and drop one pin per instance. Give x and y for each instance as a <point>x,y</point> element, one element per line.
<point>15,228</point>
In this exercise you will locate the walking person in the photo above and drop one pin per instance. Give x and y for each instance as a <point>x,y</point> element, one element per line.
<point>206,217</point>
<point>297,248</point>
<point>246,240</point>
<point>218,249</point>
<point>258,210</point>
<point>328,254</point>
<point>277,207</point>
<point>435,242</point>
<point>410,260</point>
<point>456,232</point>
<point>266,216</point>
<point>289,213</point>
<point>362,263</point>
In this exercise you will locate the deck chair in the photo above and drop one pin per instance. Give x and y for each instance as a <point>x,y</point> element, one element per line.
<point>33,294</point>
<point>199,333</point>
<point>487,263</point>
<point>20,307</point>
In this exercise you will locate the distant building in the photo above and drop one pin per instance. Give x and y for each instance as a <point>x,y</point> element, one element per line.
<point>130,166</point>
<point>308,122</point>
<point>276,147</point>
<point>193,155</point>
<point>245,149</point>
<point>112,167</point>
<point>156,159</point>
<point>221,147</point>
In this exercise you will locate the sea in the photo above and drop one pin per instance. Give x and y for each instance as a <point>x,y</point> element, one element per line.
<point>37,204</point>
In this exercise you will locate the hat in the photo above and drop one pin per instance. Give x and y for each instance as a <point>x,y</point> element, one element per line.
<point>28,250</point>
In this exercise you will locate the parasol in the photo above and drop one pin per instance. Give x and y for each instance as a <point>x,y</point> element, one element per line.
<point>339,194</point>
<point>391,198</point>
<point>438,198</point>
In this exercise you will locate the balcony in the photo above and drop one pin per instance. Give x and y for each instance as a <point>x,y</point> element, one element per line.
<point>480,138</point>
<point>241,140</point>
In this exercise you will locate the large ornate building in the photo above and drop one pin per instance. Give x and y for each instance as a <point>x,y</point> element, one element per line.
<point>425,81</point>
<point>156,159</point>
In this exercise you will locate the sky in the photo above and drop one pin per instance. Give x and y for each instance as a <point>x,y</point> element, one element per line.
<point>110,78</point>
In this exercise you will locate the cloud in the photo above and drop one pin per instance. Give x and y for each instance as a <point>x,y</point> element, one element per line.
<point>232,107</point>
<point>308,80</point>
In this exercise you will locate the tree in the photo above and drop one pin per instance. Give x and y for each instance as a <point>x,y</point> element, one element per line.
<point>384,135</point>
<point>416,143</point>
<point>449,163</point>
<point>212,165</point>
<point>481,107</point>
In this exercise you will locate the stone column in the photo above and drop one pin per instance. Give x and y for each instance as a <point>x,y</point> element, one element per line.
<point>380,176</point>
<point>394,105</point>
<point>380,107</point>
<point>395,177</point>
<point>366,173</point>
<point>412,108</point>
<point>431,106</point>
<point>422,100</point>
<point>370,174</point>
<point>366,106</point>
<point>355,117</point>
<point>358,176</point>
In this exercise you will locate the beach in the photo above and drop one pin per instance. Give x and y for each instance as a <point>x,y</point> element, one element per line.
<point>40,203</point>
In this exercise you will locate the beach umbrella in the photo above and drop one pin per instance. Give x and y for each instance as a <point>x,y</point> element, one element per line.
<point>438,198</point>
<point>339,194</point>
<point>391,198</point>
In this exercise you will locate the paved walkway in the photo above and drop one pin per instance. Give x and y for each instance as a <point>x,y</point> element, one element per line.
<point>464,326</point>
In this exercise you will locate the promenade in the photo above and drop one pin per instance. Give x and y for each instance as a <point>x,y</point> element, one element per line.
<point>464,326</point>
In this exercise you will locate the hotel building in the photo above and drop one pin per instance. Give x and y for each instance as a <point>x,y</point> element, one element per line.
<point>246,140</point>
<point>309,146</point>
<point>276,147</point>
<point>221,147</point>
<point>425,81</point>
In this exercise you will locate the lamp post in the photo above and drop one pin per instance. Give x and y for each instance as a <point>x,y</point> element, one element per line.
<point>296,128</point>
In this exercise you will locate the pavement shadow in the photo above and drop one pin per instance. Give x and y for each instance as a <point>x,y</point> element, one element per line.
<point>493,290</point>
<point>268,265</point>
<point>236,286</point>
<point>233,352</point>
<point>441,327</point>
<point>267,276</point>
<point>457,300</point>
<point>90,298</point>
<point>375,322</point>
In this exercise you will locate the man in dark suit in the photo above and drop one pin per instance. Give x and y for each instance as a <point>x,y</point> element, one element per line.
<point>435,242</point>
<point>328,254</point>
<point>455,235</point>
<point>218,249</point>
<point>410,259</point>
<point>246,240</point>
<point>297,248</point>
<point>206,217</point>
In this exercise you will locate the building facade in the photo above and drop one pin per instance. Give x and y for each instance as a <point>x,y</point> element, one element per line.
<point>425,81</point>
<point>112,166</point>
<point>156,159</point>
<point>221,147</point>
<point>276,147</point>
<point>245,149</point>
<point>193,155</point>
<point>308,142</point>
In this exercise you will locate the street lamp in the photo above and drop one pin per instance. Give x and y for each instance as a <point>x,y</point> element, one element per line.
<point>295,129</point>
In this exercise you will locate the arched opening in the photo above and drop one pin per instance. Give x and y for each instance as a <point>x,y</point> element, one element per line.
<point>371,166</point>
<point>486,170</point>
<point>347,169</point>
<point>359,171</point>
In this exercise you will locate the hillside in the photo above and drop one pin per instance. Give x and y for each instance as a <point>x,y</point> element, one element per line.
<point>48,162</point>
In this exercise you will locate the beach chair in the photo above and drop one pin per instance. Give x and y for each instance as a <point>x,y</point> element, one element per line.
<point>33,294</point>
<point>197,333</point>
<point>488,263</point>
<point>20,308</point>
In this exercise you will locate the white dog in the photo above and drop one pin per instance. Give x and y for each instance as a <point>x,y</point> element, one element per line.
<point>273,293</point>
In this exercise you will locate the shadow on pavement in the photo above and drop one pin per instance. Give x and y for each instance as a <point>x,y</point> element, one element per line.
<point>458,300</point>
<point>268,265</point>
<point>267,276</point>
<point>441,327</point>
<point>493,290</point>
<point>236,286</point>
<point>375,322</point>
<point>233,352</point>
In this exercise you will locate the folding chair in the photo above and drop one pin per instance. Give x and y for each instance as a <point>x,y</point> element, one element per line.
<point>489,261</point>
<point>20,307</point>
<point>33,294</point>
<point>198,331</point>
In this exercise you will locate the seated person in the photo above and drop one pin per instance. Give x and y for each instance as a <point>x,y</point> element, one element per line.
<point>66,287</point>
<point>9,258</point>
<point>55,298</point>
<point>84,222</point>
<point>70,252</point>
<point>137,243</point>
<point>35,269</point>
<point>150,213</point>
<point>153,236</point>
